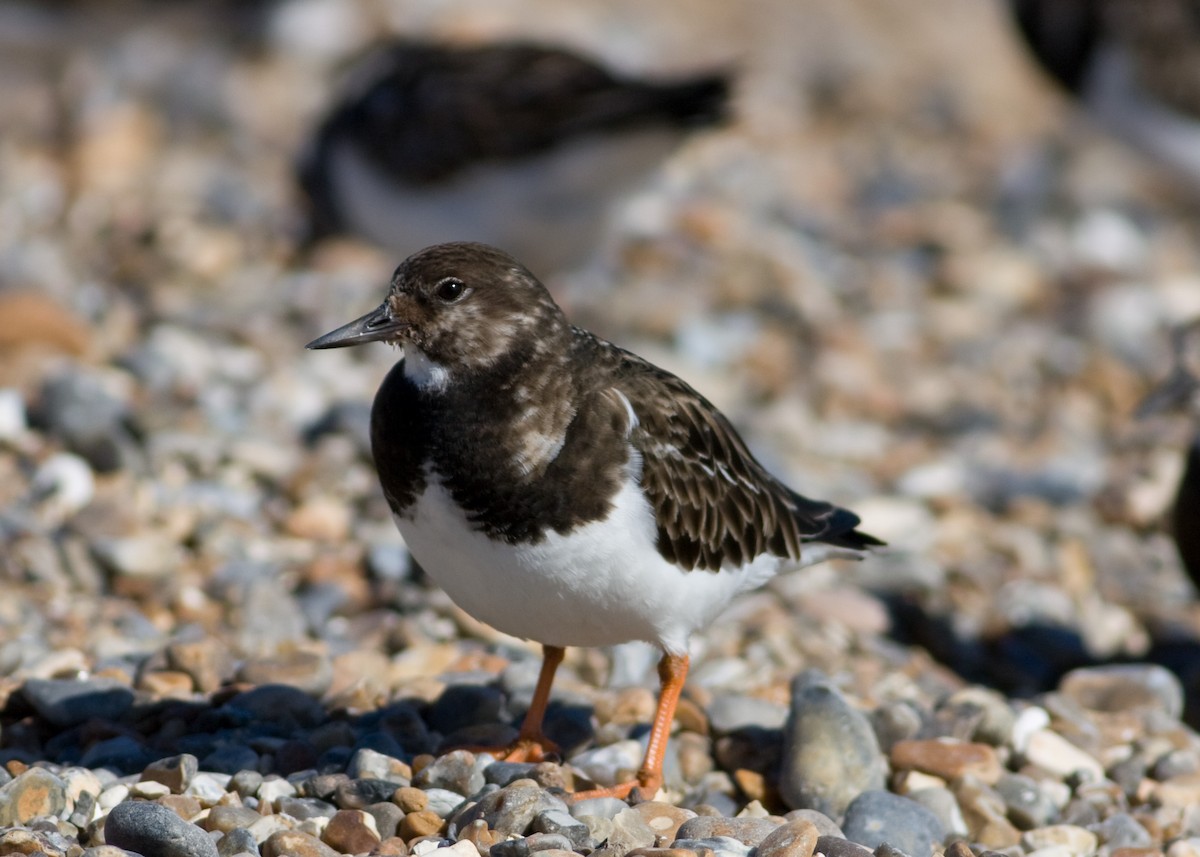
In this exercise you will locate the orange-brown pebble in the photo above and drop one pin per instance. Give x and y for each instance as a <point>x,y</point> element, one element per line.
<point>695,756</point>
<point>351,831</point>
<point>393,846</point>
<point>691,717</point>
<point>163,684</point>
<point>947,759</point>
<point>791,839</point>
<point>185,806</point>
<point>31,318</point>
<point>752,783</point>
<point>410,799</point>
<point>478,661</point>
<point>479,835</point>
<point>418,824</point>
<point>630,706</point>
<point>294,843</point>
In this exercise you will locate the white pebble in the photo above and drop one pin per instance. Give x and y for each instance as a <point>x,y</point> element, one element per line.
<point>1107,239</point>
<point>1056,791</point>
<point>318,28</point>
<point>898,520</point>
<point>149,790</point>
<point>273,788</point>
<point>1185,848</point>
<point>462,848</point>
<point>603,764</point>
<point>1059,756</point>
<point>208,786</point>
<point>443,801</point>
<point>12,414</point>
<point>754,809</point>
<point>1029,720</point>
<point>146,555</point>
<point>1052,851</point>
<point>80,781</point>
<point>112,796</point>
<point>314,826</point>
<point>942,478</point>
<point>64,484</point>
<point>262,828</point>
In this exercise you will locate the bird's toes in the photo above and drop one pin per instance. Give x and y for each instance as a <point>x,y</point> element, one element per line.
<point>535,748</point>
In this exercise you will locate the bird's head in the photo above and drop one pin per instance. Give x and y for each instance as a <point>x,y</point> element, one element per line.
<point>458,306</point>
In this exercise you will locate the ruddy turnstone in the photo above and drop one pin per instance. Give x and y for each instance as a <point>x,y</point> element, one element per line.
<point>437,142</point>
<point>1180,392</point>
<point>1133,64</point>
<point>562,489</point>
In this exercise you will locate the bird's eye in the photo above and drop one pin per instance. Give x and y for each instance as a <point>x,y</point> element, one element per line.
<point>450,290</point>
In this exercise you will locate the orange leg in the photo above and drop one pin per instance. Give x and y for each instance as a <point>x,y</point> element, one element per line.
<point>531,745</point>
<point>672,672</point>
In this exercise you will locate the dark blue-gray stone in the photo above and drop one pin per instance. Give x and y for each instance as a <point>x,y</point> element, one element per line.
<point>152,829</point>
<point>237,841</point>
<point>306,807</point>
<point>356,794</point>
<point>503,773</point>
<point>464,705</point>
<point>1026,805</point>
<point>230,759</point>
<point>1122,830</point>
<point>563,823</point>
<point>280,703</point>
<point>510,848</point>
<point>123,754</point>
<point>877,817</point>
<point>68,702</point>
<point>387,817</point>
<point>91,422</point>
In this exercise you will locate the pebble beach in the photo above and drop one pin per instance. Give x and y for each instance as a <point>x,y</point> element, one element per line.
<point>917,277</point>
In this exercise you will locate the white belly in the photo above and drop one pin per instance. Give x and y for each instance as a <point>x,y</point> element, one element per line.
<point>602,584</point>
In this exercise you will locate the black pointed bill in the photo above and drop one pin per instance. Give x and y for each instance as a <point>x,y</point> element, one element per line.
<point>375,326</point>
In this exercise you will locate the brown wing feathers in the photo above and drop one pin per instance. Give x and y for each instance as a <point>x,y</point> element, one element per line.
<point>706,522</point>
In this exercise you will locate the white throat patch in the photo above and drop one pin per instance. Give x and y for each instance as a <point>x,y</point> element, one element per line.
<point>425,373</point>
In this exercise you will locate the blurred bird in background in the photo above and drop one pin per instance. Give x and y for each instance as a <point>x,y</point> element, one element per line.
<point>1133,64</point>
<point>516,145</point>
<point>1178,393</point>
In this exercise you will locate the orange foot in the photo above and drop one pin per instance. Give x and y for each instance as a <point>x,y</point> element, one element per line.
<point>532,748</point>
<point>645,787</point>
<point>526,748</point>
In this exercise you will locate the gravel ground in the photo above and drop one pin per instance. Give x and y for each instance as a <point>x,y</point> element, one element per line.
<point>922,284</point>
